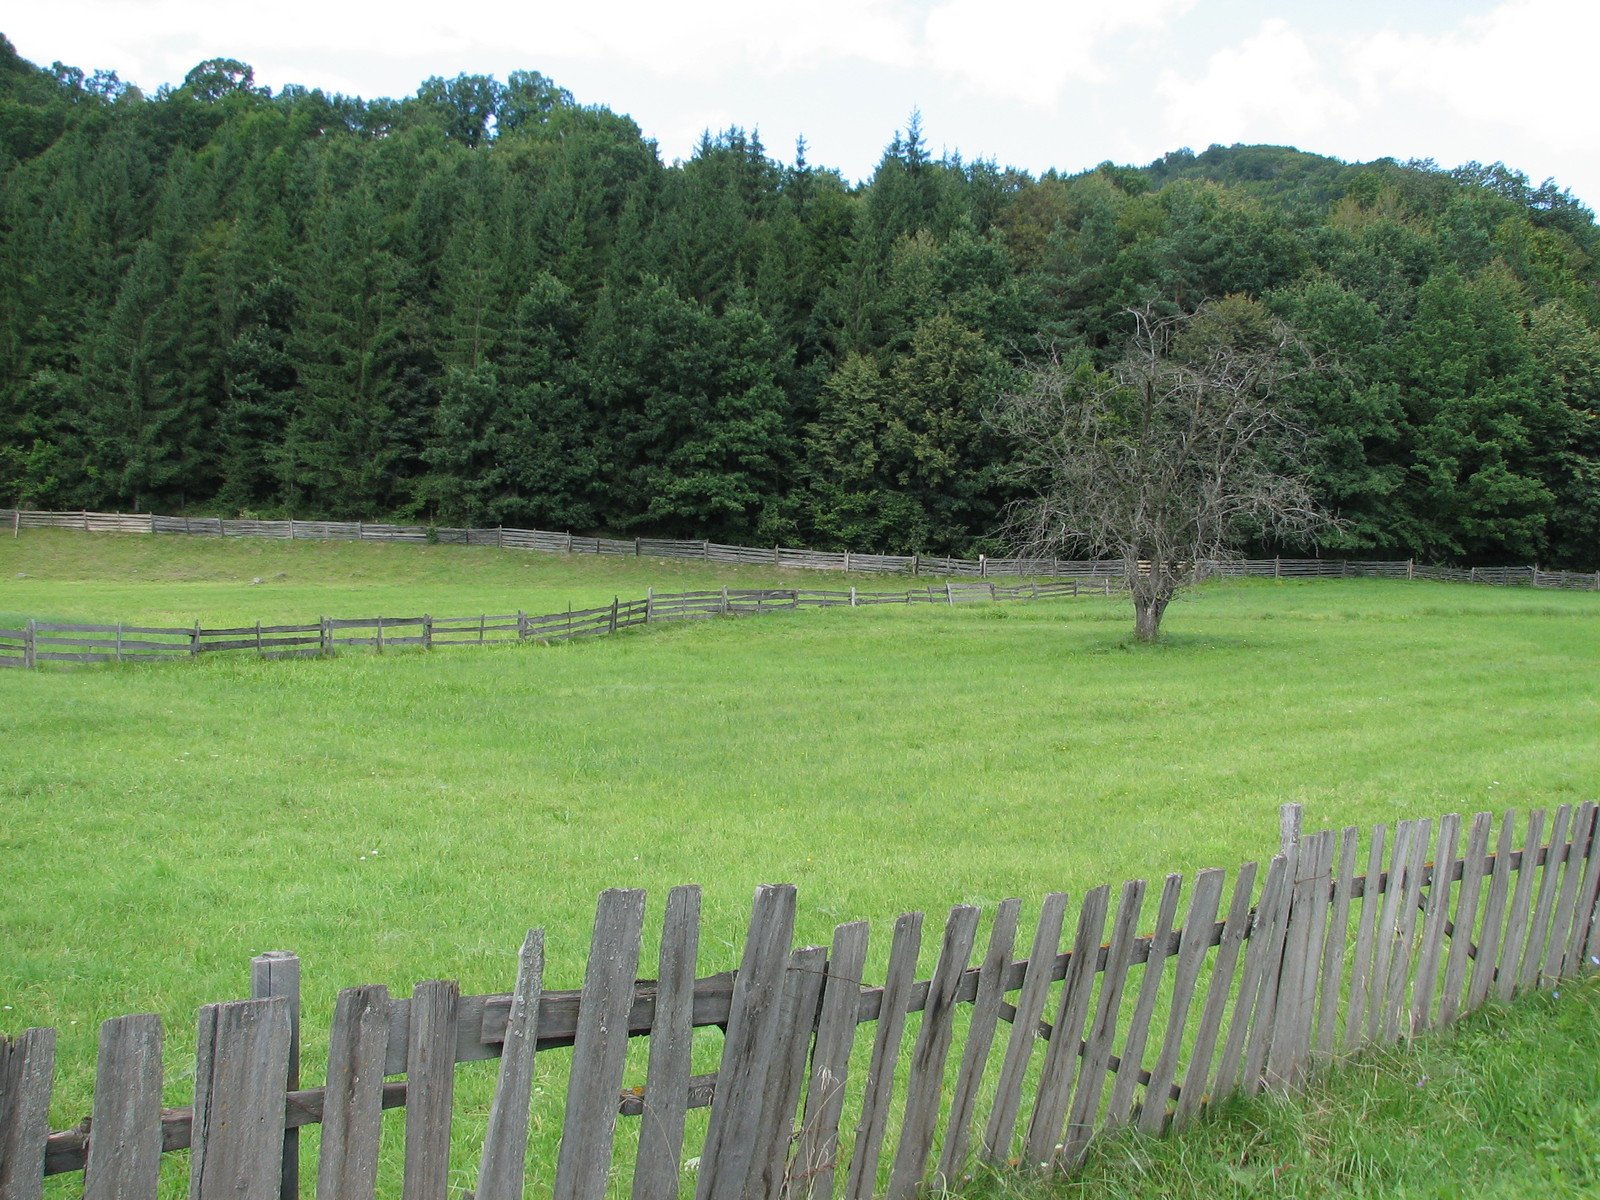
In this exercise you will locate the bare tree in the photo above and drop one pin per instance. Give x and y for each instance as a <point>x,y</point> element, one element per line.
<point>1172,457</point>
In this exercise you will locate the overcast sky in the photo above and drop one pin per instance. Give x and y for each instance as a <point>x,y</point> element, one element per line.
<point>1028,83</point>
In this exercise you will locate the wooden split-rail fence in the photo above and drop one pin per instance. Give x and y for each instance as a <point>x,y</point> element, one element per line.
<point>1008,1062</point>
<point>45,642</point>
<point>1097,571</point>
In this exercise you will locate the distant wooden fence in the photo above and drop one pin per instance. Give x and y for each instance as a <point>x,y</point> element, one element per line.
<point>1096,570</point>
<point>1013,1061</point>
<point>41,642</point>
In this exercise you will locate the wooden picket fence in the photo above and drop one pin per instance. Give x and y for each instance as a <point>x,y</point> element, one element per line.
<point>787,557</point>
<point>1310,961</point>
<point>45,642</point>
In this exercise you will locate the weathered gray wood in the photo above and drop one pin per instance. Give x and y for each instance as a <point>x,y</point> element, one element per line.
<point>980,1039</point>
<point>1431,947</point>
<point>1583,921</point>
<point>277,973</point>
<point>1291,818</point>
<point>1198,929</point>
<point>817,1154</point>
<point>1361,972</point>
<point>666,1091</point>
<point>1539,930</point>
<point>731,1159</point>
<point>1320,902</point>
<point>1388,929</point>
<point>352,1106</point>
<point>861,1184</point>
<point>1266,1004</point>
<point>27,1068</point>
<point>505,1141</point>
<point>1508,973</point>
<point>785,1077</point>
<point>1334,942</point>
<point>430,1088</point>
<point>1290,1027</point>
<point>600,1047</point>
<point>1465,924</point>
<point>1400,962</point>
<point>1123,1089</point>
<point>1234,930</point>
<point>241,1062</point>
<point>930,1053</point>
<point>1002,1124</point>
<point>1259,955</point>
<point>1097,1047</point>
<point>1567,897</point>
<point>1494,917</point>
<point>125,1123</point>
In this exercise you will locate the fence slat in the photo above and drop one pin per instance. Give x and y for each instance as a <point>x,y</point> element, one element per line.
<point>1583,922</point>
<point>241,1063</point>
<point>1334,942</point>
<point>1388,929</point>
<point>1124,1088</point>
<point>600,1046</point>
<point>1257,953</point>
<point>731,1157</point>
<point>1400,963</point>
<point>1002,1125</point>
<point>1361,972</point>
<point>1494,916</point>
<point>1197,931</point>
<point>505,1141</point>
<point>1097,1048</point>
<point>980,1039</point>
<point>1430,948</point>
<point>1234,930</point>
<point>27,1069</point>
<point>125,1151</point>
<point>1567,898</point>
<point>817,1154</point>
<point>1266,1005</point>
<point>1507,973</point>
<point>1464,927</point>
<point>861,1184</point>
<point>666,1092</point>
<point>1539,930</point>
<point>430,1088</point>
<point>931,1052</point>
<point>352,1106</point>
<point>801,991</point>
<point>277,973</point>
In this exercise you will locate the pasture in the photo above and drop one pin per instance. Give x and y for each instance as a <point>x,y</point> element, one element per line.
<point>407,817</point>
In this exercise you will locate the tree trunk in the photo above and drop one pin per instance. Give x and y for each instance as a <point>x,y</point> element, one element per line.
<point>1146,619</point>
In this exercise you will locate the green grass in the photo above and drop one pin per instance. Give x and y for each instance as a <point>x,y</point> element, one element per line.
<point>407,817</point>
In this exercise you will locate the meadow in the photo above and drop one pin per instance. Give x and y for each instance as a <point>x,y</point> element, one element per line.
<point>407,817</point>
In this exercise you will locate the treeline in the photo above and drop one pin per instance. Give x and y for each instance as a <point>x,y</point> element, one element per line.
<point>489,304</point>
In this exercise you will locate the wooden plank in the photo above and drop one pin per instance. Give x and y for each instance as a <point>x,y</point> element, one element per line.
<point>430,1088</point>
<point>505,1142</point>
<point>1266,1001</point>
<point>980,1039</point>
<point>776,1134</point>
<point>1001,1128</point>
<point>1508,972</point>
<point>1464,926</point>
<point>600,1047</point>
<point>1119,1109</point>
<point>861,1183</point>
<point>816,1157</point>
<point>1388,928</point>
<point>1256,957</point>
<point>352,1107</point>
<point>125,1149</point>
<point>1430,949</point>
<point>1583,923</point>
<point>1234,930</point>
<point>1567,897</point>
<point>1097,1047</point>
<point>1320,901</point>
<point>1282,1043</point>
<point>931,1052</point>
<point>1361,970</point>
<point>666,1093</point>
<point>1494,917</point>
<point>1400,962</point>
<point>1335,941</point>
<point>277,973</point>
<point>1539,930</point>
<point>241,1062</point>
<point>1196,940</point>
<point>731,1159</point>
<point>27,1068</point>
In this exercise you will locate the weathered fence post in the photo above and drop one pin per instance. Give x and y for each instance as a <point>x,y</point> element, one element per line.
<point>916,564</point>
<point>27,1069</point>
<point>1472,575</point>
<point>649,604</point>
<point>705,550</point>
<point>852,595</point>
<point>569,541</point>
<point>258,637</point>
<point>291,527</point>
<point>16,522</point>
<point>775,560</point>
<point>1411,568</point>
<point>1277,566</point>
<point>636,551</point>
<point>277,973</point>
<point>325,635</point>
<point>118,651</point>
<point>847,561</point>
<point>194,641</point>
<point>983,566</point>
<point>949,596</point>
<point>29,648</point>
<point>427,631</point>
<point>522,625</point>
<point>379,640</point>
<point>500,536</point>
<point>724,599</point>
<point>86,520</point>
<point>360,531</point>
<point>613,628</point>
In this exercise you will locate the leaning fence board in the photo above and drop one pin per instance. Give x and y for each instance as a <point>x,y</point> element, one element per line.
<point>817,1153</point>
<point>931,1051</point>
<point>1256,965</point>
<point>125,1151</point>
<point>861,1183</point>
<point>1567,897</point>
<point>1266,1002</point>
<point>1507,972</point>
<point>505,1142</point>
<point>1431,946</point>
<point>430,1088</point>
<point>786,1074</point>
<point>1410,900</point>
<point>1388,929</point>
<point>1123,1089</point>
<point>600,1046</point>
<point>666,1094</point>
<point>1464,927</point>
<point>27,1068</point>
<point>1235,928</point>
<point>730,1159</point>
<point>1334,942</point>
<point>980,1039</point>
<point>1196,940</point>
<point>1024,1029</point>
<point>1584,924</point>
<point>1538,931</point>
<point>241,1065</point>
<point>352,1108</point>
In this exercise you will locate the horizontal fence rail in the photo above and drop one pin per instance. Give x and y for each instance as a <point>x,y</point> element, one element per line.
<point>42,642</point>
<point>776,556</point>
<point>1152,1005</point>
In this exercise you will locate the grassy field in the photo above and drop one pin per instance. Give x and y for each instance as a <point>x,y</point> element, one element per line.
<point>407,817</point>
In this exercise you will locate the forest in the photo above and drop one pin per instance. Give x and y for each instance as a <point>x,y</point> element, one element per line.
<point>488,303</point>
